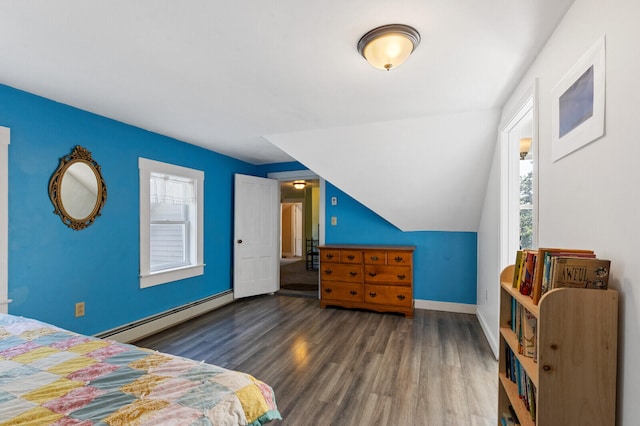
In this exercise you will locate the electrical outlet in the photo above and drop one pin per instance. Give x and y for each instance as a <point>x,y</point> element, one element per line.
<point>79,309</point>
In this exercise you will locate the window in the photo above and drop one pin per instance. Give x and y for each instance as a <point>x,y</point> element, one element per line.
<point>518,179</point>
<point>171,225</point>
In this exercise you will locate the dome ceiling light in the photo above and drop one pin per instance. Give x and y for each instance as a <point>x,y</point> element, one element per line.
<point>388,46</point>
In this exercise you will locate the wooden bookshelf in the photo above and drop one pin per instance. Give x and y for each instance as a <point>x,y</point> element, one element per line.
<point>575,373</point>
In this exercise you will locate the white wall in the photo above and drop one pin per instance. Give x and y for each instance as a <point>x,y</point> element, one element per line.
<point>489,267</point>
<point>590,198</point>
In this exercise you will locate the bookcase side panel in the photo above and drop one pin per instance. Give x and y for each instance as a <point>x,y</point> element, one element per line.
<point>577,348</point>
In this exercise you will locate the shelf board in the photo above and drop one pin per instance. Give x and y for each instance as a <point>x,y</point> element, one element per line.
<point>525,301</point>
<point>511,389</point>
<point>529,365</point>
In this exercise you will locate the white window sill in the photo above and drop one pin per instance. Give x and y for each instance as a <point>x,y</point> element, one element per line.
<point>163,277</point>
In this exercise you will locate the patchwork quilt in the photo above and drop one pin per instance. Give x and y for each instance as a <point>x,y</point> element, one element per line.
<point>50,376</point>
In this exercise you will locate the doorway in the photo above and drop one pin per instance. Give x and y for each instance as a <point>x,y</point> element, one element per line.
<point>519,192</point>
<point>300,226</point>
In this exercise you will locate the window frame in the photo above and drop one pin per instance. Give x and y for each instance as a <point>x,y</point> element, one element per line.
<point>510,176</point>
<point>147,277</point>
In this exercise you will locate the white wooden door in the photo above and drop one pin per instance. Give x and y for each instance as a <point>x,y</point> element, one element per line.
<point>297,229</point>
<point>256,263</point>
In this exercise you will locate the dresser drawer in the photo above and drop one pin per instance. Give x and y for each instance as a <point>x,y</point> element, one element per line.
<point>327,255</point>
<point>375,257</point>
<point>342,291</point>
<point>351,256</point>
<point>387,274</point>
<point>340,272</point>
<point>401,258</point>
<point>388,295</point>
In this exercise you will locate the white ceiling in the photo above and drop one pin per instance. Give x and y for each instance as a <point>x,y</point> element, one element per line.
<point>235,76</point>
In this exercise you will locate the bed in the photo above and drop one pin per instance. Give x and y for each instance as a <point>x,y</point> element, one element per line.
<point>53,376</point>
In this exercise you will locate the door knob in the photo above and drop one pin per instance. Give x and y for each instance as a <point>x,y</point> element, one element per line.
<point>239,241</point>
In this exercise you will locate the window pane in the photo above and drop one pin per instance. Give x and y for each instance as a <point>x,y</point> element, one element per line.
<point>526,202</point>
<point>168,246</point>
<point>169,212</point>
<point>171,199</point>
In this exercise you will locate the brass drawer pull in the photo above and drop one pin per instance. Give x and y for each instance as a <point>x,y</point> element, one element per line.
<point>401,277</point>
<point>398,259</point>
<point>372,294</point>
<point>329,256</point>
<point>351,257</point>
<point>374,257</point>
<point>327,290</point>
<point>372,274</point>
<point>327,271</point>
<point>353,274</point>
<point>353,292</point>
<point>401,297</point>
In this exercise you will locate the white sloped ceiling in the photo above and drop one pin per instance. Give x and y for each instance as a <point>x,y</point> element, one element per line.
<point>426,173</point>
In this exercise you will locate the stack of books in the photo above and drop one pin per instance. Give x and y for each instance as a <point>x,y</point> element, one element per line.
<point>538,271</point>
<point>524,325</point>
<point>518,375</point>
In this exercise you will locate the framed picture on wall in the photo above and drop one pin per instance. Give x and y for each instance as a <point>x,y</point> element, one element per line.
<point>577,110</point>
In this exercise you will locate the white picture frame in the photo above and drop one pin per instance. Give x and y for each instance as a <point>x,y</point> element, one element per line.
<point>578,103</point>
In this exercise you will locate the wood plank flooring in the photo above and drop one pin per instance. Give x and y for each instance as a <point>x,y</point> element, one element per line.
<point>348,367</point>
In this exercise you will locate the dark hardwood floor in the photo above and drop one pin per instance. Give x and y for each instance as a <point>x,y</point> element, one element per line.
<point>349,367</point>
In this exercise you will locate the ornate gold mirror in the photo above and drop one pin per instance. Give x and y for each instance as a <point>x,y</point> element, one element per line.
<point>77,189</point>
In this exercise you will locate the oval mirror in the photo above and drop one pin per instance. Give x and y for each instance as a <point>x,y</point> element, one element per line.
<point>77,189</point>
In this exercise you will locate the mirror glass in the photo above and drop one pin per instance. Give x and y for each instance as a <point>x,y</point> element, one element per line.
<point>79,190</point>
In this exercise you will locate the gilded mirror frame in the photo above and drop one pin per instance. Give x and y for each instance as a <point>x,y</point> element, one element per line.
<point>78,155</point>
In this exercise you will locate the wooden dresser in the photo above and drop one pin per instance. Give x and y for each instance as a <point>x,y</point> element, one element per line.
<point>379,278</point>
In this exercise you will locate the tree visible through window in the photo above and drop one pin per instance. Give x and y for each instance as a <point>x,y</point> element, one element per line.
<point>526,210</point>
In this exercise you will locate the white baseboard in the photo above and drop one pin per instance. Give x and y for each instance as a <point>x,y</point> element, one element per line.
<point>148,326</point>
<point>461,308</point>
<point>491,338</point>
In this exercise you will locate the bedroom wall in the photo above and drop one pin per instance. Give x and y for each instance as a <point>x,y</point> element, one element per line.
<point>590,198</point>
<point>51,267</point>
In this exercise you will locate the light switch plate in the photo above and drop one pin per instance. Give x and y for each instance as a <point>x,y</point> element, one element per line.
<point>334,201</point>
<point>334,220</point>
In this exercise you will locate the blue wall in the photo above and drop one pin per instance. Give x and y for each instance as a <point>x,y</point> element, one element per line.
<point>51,267</point>
<point>445,263</point>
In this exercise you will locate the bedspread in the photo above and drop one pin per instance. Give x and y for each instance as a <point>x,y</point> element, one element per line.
<point>52,376</point>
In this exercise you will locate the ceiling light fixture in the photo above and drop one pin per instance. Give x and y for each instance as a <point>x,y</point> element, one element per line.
<point>525,147</point>
<point>299,184</point>
<point>388,46</point>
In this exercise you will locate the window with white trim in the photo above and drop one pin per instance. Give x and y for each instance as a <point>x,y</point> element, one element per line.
<point>171,224</point>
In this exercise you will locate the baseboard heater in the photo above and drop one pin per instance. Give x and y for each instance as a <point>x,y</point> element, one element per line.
<point>163,320</point>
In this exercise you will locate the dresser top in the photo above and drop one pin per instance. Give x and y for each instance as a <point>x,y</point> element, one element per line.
<point>365,247</point>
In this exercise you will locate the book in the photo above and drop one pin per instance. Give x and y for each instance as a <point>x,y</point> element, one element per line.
<point>579,272</point>
<point>507,419</point>
<point>529,326</point>
<point>549,264</point>
<point>517,268</point>
<point>538,273</point>
<point>527,275</point>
